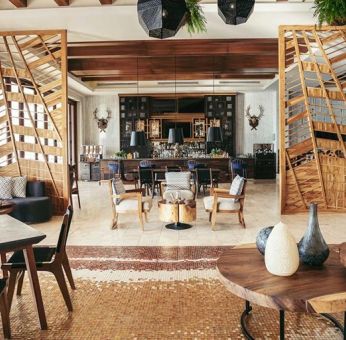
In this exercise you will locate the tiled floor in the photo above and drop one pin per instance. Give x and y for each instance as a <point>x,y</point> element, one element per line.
<point>91,224</point>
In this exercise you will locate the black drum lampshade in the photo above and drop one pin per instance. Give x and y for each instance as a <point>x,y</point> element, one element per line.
<point>214,134</point>
<point>161,18</point>
<point>138,138</point>
<point>175,136</point>
<point>235,12</point>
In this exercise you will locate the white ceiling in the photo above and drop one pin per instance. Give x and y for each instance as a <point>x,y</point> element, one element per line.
<point>121,23</point>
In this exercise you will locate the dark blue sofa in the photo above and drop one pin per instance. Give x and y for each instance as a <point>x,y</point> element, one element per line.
<point>35,207</point>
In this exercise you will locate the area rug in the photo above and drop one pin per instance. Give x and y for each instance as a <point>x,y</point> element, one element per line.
<point>151,293</point>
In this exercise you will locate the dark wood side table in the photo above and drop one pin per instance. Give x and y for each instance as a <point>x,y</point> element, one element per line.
<point>311,290</point>
<point>16,235</point>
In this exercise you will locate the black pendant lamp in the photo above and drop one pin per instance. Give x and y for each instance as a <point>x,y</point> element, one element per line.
<point>235,12</point>
<point>138,138</point>
<point>214,134</point>
<point>161,18</point>
<point>175,136</point>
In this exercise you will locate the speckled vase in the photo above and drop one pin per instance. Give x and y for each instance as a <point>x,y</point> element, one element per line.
<point>313,249</point>
<point>281,254</point>
<point>262,237</point>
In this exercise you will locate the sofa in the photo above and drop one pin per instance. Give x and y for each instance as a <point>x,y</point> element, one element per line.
<point>35,207</point>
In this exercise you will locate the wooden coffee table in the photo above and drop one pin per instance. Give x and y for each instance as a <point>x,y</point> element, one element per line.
<point>310,290</point>
<point>180,213</point>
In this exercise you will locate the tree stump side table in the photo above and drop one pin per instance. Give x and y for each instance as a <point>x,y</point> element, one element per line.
<point>180,213</point>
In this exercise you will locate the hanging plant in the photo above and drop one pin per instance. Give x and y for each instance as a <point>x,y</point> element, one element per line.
<point>195,20</point>
<point>333,12</point>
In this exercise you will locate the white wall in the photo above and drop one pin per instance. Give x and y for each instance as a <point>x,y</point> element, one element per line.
<point>267,128</point>
<point>245,137</point>
<point>92,135</point>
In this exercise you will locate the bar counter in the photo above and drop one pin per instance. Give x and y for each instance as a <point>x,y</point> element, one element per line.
<point>130,165</point>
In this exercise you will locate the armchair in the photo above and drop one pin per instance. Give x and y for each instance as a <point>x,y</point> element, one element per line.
<point>178,182</point>
<point>128,201</point>
<point>221,201</point>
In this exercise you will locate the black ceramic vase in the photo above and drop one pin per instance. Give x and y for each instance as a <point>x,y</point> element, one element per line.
<point>313,249</point>
<point>262,237</point>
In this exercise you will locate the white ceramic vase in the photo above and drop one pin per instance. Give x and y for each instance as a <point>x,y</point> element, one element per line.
<point>281,254</point>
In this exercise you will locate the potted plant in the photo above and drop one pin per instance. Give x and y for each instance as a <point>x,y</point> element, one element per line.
<point>195,19</point>
<point>333,12</point>
<point>120,154</point>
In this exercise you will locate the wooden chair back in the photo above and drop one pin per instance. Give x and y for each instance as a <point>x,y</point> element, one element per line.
<point>64,231</point>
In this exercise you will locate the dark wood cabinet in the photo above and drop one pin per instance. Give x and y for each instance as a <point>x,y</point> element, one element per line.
<point>265,165</point>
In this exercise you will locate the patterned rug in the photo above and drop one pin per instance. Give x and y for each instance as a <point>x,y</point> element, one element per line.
<point>151,293</point>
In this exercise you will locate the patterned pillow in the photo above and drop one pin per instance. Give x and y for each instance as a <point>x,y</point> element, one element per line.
<point>5,188</point>
<point>118,188</point>
<point>237,186</point>
<point>19,186</point>
<point>178,180</point>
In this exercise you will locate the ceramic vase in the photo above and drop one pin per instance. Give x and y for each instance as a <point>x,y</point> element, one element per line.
<point>313,249</point>
<point>281,252</point>
<point>262,237</point>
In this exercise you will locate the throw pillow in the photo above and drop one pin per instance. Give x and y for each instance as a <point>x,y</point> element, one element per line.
<point>118,188</point>
<point>237,186</point>
<point>178,180</point>
<point>19,186</point>
<point>5,188</point>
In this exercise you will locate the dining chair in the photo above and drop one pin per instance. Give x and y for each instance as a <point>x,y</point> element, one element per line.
<point>203,179</point>
<point>113,168</point>
<point>4,310</point>
<point>173,168</point>
<point>147,179</point>
<point>238,167</point>
<point>74,190</point>
<point>48,259</point>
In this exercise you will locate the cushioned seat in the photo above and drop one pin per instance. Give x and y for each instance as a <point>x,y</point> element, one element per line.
<point>132,204</point>
<point>223,203</point>
<point>32,209</point>
<point>183,194</point>
<point>42,254</point>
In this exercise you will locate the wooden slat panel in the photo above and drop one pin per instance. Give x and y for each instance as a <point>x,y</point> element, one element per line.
<point>301,148</point>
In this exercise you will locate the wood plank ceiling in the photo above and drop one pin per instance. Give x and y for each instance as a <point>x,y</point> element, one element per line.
<point>24,3</point>
<point>174,59</point>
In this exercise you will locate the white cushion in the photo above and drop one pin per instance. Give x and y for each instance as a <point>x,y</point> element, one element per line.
<point>19,186</point>
<point>178,180</point>
<point>223,203</point>
<point>169,195</point>
<point>237,186</point>
<point>118,186</point>
<point>5,188</point>
<point>129,204</point>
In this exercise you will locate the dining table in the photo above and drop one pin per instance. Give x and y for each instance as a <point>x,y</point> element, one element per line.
<point>16,235</point>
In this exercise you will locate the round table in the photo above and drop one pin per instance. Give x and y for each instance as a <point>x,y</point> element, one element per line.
<point>6,207</point>
<point>311,290</point>
<point>180,213</point>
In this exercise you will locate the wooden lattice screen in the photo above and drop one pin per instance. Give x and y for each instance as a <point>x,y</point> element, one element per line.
<point>33,110</point>
<point>313,117</point>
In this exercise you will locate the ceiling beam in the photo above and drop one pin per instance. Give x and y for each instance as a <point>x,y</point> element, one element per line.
<point>19,3</point>
<point>63,2</point>
<point>140,48</point>
<point>106,2</point>
<point>126,78</point>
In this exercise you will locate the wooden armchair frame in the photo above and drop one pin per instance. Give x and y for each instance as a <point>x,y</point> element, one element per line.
<point>129,194</point>
<point>224,193</point>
